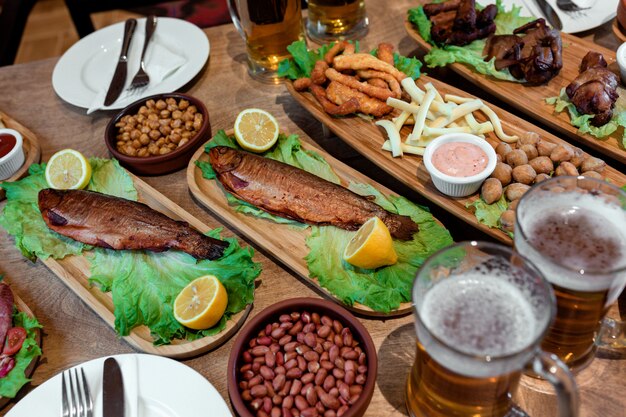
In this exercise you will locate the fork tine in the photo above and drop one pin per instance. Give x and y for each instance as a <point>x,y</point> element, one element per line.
<point>73,410</point>
<point>80,408</point>
<point>65,406</point>
<point>88,400</point>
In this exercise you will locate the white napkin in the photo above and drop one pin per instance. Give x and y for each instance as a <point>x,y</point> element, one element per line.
<point>161,62</point>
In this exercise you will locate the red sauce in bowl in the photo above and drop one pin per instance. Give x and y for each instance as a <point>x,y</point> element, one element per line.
<point>7,142</point>
<point>460,159</point>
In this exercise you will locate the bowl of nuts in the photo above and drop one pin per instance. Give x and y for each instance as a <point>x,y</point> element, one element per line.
<point>302,357</point>
<point>158,134</point>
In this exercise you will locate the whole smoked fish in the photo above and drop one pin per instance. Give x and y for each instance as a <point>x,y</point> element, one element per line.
<point>116,223</point>
<point>293,193</point>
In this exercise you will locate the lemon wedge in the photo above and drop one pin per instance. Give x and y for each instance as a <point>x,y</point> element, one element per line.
<point>68,170</point>
<point>371,247</point>
<point>256,130</point>
<point>201,304</point>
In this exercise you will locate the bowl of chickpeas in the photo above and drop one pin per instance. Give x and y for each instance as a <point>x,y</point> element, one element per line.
<point>158,134</point>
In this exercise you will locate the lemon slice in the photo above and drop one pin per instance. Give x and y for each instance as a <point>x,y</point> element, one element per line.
<point>68,170</point>
<point>256,130</point>
<point>371,247</point>
<point>201,304</point>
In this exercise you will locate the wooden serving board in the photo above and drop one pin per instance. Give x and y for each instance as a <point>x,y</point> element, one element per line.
<point>74,272</point>
<point>32,149</point>
<point>285,242</point>
<point>21,306</point>
<point>367,138</point>
<point>531,99</point>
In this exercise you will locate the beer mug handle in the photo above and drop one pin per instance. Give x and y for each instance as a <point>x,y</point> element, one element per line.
<point>232,9</point>
<point>549,367</point>
<point>612,334</point>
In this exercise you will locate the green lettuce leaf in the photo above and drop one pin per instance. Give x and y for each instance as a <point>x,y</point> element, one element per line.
<point>489,214</point>
<point>303,60</point>
<point>471,54</point>
<point>583,121</point>
<point>144,285</point>
<point>16,379</point>
<point>383,289</point>
<point>21,217</point>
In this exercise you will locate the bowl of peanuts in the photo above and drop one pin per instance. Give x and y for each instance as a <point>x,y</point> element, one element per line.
<point>158,134</point>
<point>303,357</point>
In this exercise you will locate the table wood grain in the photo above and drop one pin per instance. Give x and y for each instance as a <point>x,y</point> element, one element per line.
<point>73,333</point>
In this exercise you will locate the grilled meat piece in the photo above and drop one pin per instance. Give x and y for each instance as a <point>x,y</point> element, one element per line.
<point>535,56</point>
<point>293,193</point>
<point>465,18</point>
<point>116,223</point>
<point>459,23</point>
<point>594,91</point>
<point>433,9</point>
<point>6,310</point>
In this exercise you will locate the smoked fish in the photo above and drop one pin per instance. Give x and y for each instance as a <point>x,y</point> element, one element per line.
<point>116,223</point>
<point>290,192</point>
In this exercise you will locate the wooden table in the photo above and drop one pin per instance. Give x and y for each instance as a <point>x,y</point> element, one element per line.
<point>73,333</point>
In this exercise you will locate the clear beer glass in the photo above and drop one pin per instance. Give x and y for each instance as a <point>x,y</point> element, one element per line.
<point>481,311</point>
<point>336,19</point>
<point>574,230</point>
<point>267,27</point>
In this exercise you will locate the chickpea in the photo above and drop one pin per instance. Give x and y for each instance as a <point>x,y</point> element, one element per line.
<point>192,109</point>
<point>145,129</point>
<point>171,101</point>
<point>171,146</point>
<point>128,128</point>
<point>516,157</point>
<point>154,134</point>
<point>160,105</point>
<point>189,124</point>
<point>120,143</point>
<point>160,142</point>
<point>176,123</point>
<point>163,150</point>
<point>136,144</point>
<point>186,135</point>
<point>150,103</point>
<point>135,134</point>
<point>143,110</point>
<point>154,124</point>
<point>187,116</point>
<point>126,136</point>
<point>130,151</point>
<point>143,152</point>
<point>164,114</point>
<point>197,124</point>
<point>175,138</point>
<point>182,142</point>
<point>165,130</point>
<point>153,149</point>
<point>153,116</point>
<point>183,104</point>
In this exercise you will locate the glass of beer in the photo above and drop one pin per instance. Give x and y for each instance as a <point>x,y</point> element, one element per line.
<point>268,27</point>
<point>574,230</point>
<point>481,311</point>
<point>336,19</point>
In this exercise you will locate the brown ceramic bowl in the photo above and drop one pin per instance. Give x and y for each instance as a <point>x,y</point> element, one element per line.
<point>158,164</point>
<point>271,314</point>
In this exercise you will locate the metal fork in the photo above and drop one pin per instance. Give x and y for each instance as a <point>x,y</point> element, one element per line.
<point>569,6</point>
<point>76,401</point>
<point>142,79</point>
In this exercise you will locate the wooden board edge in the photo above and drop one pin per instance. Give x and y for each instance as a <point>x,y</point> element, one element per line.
<point>560,122</point>
<point>23,307</point>
<point>301,270</point>
<point>32,149</point>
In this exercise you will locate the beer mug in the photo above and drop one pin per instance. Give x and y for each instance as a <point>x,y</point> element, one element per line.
<point>267,27</point>
<point>336,19</point>
<point>481,311</point>
<point>574,230</point>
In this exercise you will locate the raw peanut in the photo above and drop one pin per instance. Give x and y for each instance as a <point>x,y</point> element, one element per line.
<point>330,413</point>
<point>287,402</point>
<point>353,399</point>
<point>350,377</point>
<point>311,396</point>
<point>258,391</point>
<point>315,318</point>
<point>257,403</point>
<point>313,367</point>
<point>302,349</point>
<point>267,404</point>
<point>278,333</point>
<point>333,353</point>
<point>320,407</point>
<point>286,389</point>
<point>362,358</point>
<point>267,373</point>
<point>294,373</point>
<point>310,340</point>
<point>260,360</point>
<point>245,395</point>
<point>329,382</point>
<point>308,328</point>
<point>286,325</point>
<point>277,399</point>
<point>306,317</point>
<point>327,345</point>
<point>324,356</point>
<point>320,376</point>
<point>334,392</point>
<point>351,354</point>
<point>327,321</point>
<point>323,331</point>
<point>309,412</point>
<point>259,350</point>
<point>337,326</point>
<point>300,402</point>
<point>247,357</point>
<point>340,363</point>
<point>296,328</point>
<point>290,347</point>
<point>255,381</point>
<point>327,365</point>
<point>330,401</point>
<point>270,388</point>
<point>284,317</point>
<point>290,364</point>
<point>338,340</point>
<point>338,373</point>
<point>349,366</point>
<point>243,385</point>
<point>286,412</point>
<point>279,382</point>
<point>301,363</point>
<point>285,339</point>
<point>275,412</point>
<point>355,389</point>
<point>256,366</point>
<point>362,368</point>
<point>270,359</point>
<point>296,386</point>
<point>344,392</point>
<point>247,375</point>
<point>280,359</point>
<point>360,379</point>
<point>308,378</point>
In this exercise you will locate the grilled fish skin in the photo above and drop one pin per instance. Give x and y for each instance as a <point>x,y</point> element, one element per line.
<point>286,191</point>
<point>116,223</point>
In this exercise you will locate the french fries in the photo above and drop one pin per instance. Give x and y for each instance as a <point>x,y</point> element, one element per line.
<point>433,115</point>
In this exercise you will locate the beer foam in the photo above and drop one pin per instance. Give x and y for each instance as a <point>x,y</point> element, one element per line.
<point>572,237</point>
<point>479,314</point>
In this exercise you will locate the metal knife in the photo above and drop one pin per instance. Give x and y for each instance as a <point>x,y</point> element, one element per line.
<point>119,77</point>
<point>112,389</point>
<point>550,14</point>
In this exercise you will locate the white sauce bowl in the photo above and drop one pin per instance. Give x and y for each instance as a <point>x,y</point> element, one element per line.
<point>459,186</point>
<point>11,162</point>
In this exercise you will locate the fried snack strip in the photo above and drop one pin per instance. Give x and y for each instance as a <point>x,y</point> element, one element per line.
<point>394,85</point>
<point>318,73</point>
<point>302,84</point>
<point>385,53</point>
<point>340,93</point>
<point>366,61</point>
<point>335,50</point>
<point>350,105</point>
<point>370,90</point>
<point>378,82</point>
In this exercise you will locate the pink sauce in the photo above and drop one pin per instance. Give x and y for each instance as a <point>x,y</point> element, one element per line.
<point>460,159</point>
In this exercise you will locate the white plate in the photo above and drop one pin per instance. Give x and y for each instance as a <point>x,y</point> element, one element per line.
<point>164,387</point>
<point>600,12</point>
<point>88,66</point>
